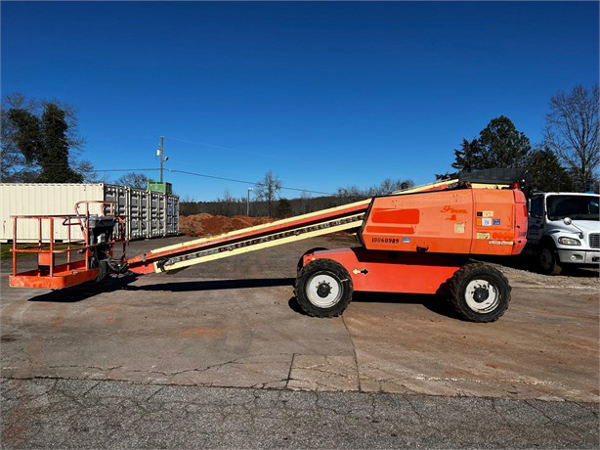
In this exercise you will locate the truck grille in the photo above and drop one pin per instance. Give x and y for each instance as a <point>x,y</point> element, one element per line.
<point>595,240</point>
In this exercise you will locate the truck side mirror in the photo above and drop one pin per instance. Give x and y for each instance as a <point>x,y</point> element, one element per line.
<point>567,221</point>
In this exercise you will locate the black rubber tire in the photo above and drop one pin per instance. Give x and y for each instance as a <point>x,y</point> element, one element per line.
<point>325,267</point>
<point>458,286</point>
<point>301,260</point>
<point>547,260</point>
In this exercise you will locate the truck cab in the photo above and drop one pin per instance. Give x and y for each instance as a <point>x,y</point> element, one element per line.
<point>564,230</point>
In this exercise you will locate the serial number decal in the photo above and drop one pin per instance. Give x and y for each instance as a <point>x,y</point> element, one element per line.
<point>501,242</point>
<point>379,240</point>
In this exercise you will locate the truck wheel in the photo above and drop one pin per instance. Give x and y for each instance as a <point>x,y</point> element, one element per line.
<point>323,288</point>
<point>547,260</point>
<point>479,293</point>
<point>301,260</point>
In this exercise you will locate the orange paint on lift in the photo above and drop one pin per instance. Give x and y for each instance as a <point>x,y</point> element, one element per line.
<point>476,217</point>
<point>407,216</point>
<point>391,230</point>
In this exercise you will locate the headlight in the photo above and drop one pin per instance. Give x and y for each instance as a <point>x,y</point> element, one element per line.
<point>568,241</point>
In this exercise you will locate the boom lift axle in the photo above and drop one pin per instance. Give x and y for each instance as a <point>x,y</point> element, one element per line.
<point>414,241</point>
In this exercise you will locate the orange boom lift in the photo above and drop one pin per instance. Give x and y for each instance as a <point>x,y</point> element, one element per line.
<point>414,241</point>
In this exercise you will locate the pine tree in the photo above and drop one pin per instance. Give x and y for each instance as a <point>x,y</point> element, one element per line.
<point>546,173</point>
<point>499,145</point>
<point>468,157</point>
<point>502,145</point>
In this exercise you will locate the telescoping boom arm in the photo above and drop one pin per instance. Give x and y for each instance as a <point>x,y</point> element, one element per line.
<point>180,256</point>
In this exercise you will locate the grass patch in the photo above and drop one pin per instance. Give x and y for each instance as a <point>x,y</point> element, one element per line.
<point>6,250</point>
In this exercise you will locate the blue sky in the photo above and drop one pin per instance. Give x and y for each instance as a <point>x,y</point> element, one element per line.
<point>324,94</point>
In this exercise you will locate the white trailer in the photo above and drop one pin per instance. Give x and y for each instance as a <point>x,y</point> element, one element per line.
<point>150,214</point>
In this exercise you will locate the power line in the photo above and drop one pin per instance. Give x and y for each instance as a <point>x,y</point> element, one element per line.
<point>124,170</point>
<point>222,147</point>
<point>253,183</point>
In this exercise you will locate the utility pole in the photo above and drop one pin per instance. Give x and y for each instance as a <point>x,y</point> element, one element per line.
<point>248,202</point>
<point>160,154</point>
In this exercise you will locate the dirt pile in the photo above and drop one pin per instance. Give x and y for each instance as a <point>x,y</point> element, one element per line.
<point>205,224</point>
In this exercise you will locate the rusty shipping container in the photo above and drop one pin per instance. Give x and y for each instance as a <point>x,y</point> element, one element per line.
<point>149,214</point>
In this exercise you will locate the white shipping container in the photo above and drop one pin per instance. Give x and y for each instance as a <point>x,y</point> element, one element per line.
<point>149,214</point>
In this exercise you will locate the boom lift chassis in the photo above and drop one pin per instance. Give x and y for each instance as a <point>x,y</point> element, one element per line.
<point>414,241</point>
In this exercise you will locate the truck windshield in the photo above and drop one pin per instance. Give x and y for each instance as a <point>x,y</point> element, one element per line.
<point>577,207</point>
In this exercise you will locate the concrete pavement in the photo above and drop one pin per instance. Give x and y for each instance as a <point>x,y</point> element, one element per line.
<point>249,333</point>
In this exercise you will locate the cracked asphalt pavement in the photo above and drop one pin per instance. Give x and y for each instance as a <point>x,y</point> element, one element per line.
<point>46,413</point>
<point>220,356</point>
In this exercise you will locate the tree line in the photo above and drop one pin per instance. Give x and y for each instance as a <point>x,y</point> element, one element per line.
<point>268,202</point>
<point>567,158</point>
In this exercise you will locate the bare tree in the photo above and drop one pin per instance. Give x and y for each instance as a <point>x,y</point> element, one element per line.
<point>86,169</point>
<point>228,203</point>
<point>572,131</point>
<point>268,189</point>
<point>305,202</point>
<point>388,186</point>
<point>133,179</point>
<point>350,194</point>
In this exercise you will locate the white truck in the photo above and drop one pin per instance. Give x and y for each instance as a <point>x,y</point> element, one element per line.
<point>564,230</point>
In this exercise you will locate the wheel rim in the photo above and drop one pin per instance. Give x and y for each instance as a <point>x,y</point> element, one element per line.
<point>546,258</point>
<point>482,296</point>
<point>324,290</point>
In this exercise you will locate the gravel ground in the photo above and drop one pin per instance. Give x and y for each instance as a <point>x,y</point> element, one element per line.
<point>575,279</point>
